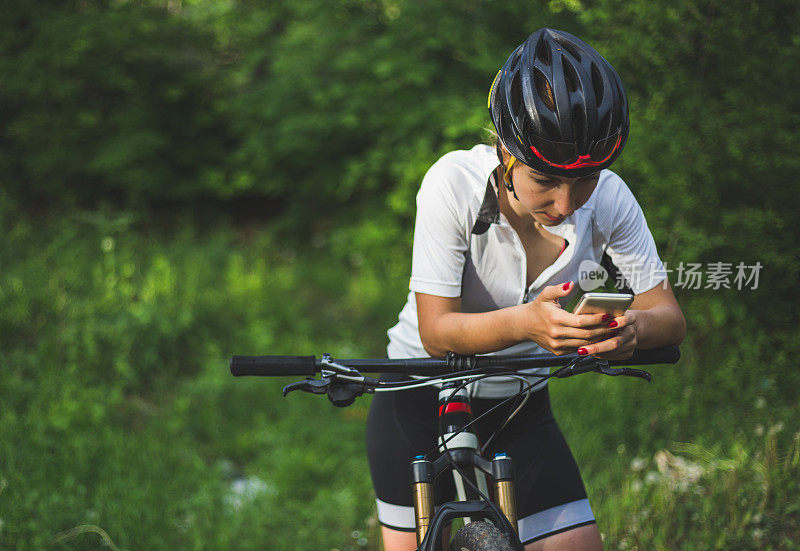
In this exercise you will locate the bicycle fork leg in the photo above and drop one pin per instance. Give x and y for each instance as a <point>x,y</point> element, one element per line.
<point>503,473</point>
<point>422,489</point>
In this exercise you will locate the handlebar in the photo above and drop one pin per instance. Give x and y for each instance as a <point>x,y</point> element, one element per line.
<point>274,366</point>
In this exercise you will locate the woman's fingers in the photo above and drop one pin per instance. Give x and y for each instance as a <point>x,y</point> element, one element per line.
<point>567,332</point>
<point>567,346</point>
<point>620,322</point>
<point>619,345</point>
<point>583,320</point>
<point>552,293</point>
<point>586,335</point>
<point>605,346</point>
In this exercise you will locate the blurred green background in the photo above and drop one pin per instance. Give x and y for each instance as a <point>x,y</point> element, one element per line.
<point>187,180</point>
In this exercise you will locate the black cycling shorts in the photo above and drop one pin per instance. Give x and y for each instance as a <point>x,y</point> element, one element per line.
<point>550,494</point>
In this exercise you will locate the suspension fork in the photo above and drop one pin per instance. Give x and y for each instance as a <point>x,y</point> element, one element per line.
<point>422,490</point>
<point>463,448</point>
<point>504,494</point>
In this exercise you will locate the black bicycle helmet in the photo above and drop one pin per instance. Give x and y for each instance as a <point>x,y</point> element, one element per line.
<point>559,106</point>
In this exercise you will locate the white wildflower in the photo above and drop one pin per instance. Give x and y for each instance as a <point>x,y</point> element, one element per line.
<point>637,464</point>
<point>107,244</point>
<point>776,428</point>
<point>246,490</point>
<point>678,471</point>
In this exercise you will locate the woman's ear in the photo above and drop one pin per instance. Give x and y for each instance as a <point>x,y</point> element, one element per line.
<point>502,153</point>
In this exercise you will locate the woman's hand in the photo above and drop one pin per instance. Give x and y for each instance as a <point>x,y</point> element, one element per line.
<point>655,319</point>
<point>621,341</point>
<point>544,322</point>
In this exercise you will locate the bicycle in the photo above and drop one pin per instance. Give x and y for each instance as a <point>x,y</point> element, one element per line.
<point>458,448</point>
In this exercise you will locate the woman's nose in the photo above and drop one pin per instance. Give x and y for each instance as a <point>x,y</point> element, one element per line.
<point>565,200</point>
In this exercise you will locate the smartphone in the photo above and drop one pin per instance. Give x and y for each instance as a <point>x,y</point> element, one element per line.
<point>614,304</point>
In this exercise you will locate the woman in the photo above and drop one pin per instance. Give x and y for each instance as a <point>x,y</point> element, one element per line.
<point>499,238</point>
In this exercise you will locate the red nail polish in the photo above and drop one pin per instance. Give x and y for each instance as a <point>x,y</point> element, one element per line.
<point>566,286</point>
<point>582,351</point>
<point>606,317</point>
<point>613,324</point>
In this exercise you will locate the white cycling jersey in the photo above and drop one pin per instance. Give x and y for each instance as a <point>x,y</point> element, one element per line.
<point>464,247</point>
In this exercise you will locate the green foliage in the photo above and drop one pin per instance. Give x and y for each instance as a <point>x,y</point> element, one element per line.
<point>118,415</point>
<point>118,421</point>
<point>117,410</point>
<point>739,496</point>
<point>101,102</point>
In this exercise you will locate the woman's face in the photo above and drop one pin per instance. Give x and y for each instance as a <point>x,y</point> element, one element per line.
<point>549,199</point>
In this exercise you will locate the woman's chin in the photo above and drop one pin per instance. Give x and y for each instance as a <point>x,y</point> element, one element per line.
<point>546,220</point>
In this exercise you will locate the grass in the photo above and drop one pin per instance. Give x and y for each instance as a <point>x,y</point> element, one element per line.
<point>120,425</point>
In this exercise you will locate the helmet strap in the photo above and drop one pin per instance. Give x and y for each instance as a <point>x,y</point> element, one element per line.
<point>507,177</point>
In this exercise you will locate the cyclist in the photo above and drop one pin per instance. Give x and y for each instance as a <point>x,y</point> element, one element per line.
<point>499,239</point>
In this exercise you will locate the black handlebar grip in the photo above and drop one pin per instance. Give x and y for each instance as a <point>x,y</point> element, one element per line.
<point>273,366</point>
<point>663,355</point>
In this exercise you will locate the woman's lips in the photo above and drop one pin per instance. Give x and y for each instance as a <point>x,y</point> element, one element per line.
<point>552,219</point>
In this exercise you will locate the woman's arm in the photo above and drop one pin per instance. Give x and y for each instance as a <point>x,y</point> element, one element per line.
<point>444,328</point>
<point>655,319</point>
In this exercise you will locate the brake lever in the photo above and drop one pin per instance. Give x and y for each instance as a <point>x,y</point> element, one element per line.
<point>578,366</point>
<point>604,368</point>
<point>314,386</point>
<point>591,363</point>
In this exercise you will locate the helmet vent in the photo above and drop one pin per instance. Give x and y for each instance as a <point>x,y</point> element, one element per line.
<point>597,84</point>
<point>544,90</point>
<point>578,126</point>
<point>543,52</point>
<point>569,47</point>
<point>604,128</point>
<point>515,88</point>
<point>570,75</point>
<point>551,131</point>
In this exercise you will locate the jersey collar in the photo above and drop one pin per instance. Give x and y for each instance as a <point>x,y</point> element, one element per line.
<point>489,213</point>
